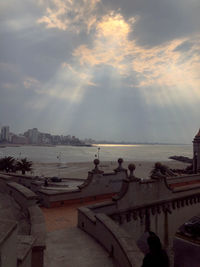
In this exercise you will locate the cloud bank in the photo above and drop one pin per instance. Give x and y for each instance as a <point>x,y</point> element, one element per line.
<point>101,69</point>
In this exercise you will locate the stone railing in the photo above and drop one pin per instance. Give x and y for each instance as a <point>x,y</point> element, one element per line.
<point>24,250</point>
<point>97,185</point>
<point>114,239</point>
<point>22,195</point>
<point>107,207</point>
<point>39,233</point>
<point>183,179</point>
<point>8,243</point>
<point>32,245</point>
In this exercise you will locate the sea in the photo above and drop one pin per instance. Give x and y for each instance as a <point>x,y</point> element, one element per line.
<point>105,152</point>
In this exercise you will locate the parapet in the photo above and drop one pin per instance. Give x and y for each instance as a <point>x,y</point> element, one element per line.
<point>24,249</point>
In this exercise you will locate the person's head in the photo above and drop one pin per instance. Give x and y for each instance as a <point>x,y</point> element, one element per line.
<point>154,242</point>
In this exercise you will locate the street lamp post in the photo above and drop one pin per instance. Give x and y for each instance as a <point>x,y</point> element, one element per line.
<point>98,152</point>
<point>59,164</point>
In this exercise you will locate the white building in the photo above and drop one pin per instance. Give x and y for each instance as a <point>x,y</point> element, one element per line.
<point>32,135</point>
<point>5,133</point>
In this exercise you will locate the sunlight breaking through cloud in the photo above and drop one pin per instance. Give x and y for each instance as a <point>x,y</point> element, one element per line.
<point>168,70</point>
<point>110,46</point>
<point>68,83</point>
<point>163,73</point>
<point>69,15</point>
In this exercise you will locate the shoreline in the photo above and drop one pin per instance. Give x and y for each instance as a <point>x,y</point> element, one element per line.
<point>3,145</point>
<point>42,145</point>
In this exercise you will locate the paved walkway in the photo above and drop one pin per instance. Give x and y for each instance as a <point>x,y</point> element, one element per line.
<point>74,248</point>
<point>64,216</point>
<point>67,245</point>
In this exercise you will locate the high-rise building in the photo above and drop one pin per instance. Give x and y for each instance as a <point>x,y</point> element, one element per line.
<point>5,133</point>
<point>19,139</point>
<point>32,135</point>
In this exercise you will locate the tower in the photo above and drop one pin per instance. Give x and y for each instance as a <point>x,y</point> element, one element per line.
<point>5,133</point>
<point>196,153</point>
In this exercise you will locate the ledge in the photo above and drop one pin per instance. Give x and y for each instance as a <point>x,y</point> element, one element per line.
<point>24,246</point>
<point>23,190</point>
<point>5,177</point>
<point>101,205</point>
<point>53,192</point>
<point>6,228</point>
<point>185,188</point>
<point>87,212</point>
<point>38,230</point>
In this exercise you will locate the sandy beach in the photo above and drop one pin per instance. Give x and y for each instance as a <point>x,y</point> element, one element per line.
<point>80,169</point>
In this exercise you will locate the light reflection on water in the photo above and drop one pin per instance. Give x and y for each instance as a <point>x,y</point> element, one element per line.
<point>115,145</point>
<point>106,152</point>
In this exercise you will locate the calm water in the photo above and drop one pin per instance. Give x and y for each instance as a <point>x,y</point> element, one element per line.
<point>106,153</point>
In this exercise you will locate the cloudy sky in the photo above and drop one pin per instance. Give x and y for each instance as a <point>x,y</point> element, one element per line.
<point>106,69</point>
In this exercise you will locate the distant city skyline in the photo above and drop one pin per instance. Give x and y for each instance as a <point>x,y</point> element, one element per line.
<point>36,136</point>
<point>110,70</point>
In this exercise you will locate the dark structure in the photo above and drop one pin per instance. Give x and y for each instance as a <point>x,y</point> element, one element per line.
<point>196,153</point>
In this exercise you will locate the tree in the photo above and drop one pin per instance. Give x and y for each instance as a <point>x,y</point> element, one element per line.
<point>7,164</point>
<point>24,165</point>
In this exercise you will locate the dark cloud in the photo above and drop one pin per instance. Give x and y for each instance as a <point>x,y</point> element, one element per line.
<point>184,47</point>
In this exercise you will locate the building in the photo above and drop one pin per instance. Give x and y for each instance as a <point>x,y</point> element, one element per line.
<point>44,138</point>
<point>196,153</point>
<point>19,139</point>
<point>5,133</point>
<point>32,135</point>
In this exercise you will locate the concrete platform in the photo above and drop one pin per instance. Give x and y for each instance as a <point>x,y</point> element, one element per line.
<point>72,247</point>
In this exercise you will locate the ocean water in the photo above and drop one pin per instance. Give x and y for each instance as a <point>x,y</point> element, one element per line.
<point>66,154</point>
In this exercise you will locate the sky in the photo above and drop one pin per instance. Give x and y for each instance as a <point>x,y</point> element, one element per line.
<point>103,69</point>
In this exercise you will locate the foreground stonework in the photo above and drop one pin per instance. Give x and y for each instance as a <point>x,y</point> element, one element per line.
<point>21,245</point>
<point>160,205</point>
<point>141,206</point>
<point>97,185</point>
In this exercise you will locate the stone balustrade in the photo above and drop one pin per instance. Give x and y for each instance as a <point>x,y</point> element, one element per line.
<point>114,239</point>
<point>143,205</point>
<point>97,184</point>
<point>183,179</point>
<point>38,231</point>
<point>30,247</point>
<point>8,243</point>
<point>22,195</point>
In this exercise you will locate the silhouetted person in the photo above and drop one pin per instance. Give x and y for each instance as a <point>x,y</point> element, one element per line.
<point>46,182</point>
<point>156,257</point>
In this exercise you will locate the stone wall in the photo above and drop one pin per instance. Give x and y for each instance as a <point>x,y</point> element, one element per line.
<point>142,206</point>
<point>113,238</point>
<point>28,248</point>
<point>97,184</point>
<point>8,243</point>
<point>187,179</point>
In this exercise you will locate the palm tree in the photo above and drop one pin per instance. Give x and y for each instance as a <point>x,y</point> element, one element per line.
<point>7,164</point>
<point>160,170</point>
<point>24,165</point>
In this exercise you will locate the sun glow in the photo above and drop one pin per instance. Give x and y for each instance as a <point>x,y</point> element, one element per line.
<point>115,145</point>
